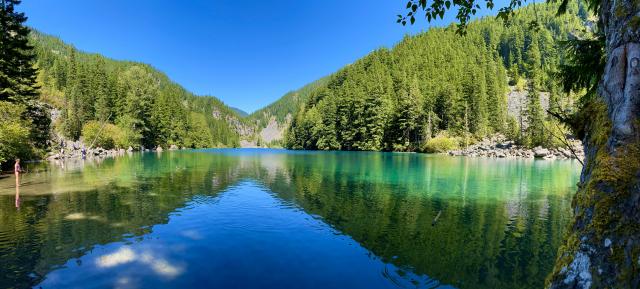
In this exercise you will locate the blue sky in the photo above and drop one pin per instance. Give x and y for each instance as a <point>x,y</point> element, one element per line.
<point>247,53</point>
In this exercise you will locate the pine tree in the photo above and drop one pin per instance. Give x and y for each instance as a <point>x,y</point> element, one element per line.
<point>17,73</point>
<point>101,90</point>
<point>534,134</point>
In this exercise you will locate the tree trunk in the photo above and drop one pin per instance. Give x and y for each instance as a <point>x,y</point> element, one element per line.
<point>602,247</point>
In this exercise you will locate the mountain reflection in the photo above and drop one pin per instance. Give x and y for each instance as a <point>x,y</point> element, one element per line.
<point>500,225</point>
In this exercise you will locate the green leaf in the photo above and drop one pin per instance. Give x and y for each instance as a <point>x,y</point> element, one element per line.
<point>448,4</point>
<point>409,4</point>
<point>413,20</point>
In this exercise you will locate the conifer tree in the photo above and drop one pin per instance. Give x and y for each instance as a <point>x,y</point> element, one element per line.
<point>17,73</point>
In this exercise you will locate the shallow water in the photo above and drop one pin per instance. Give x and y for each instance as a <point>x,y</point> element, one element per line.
<point>250,218</point>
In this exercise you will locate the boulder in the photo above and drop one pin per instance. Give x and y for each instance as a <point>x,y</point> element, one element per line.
<point>540,152</point>
<point>173,147</point>
<point>159,149</point>
<point>504,145</point>
<point>130,149</point>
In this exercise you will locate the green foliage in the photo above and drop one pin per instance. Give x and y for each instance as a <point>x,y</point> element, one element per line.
<point>18,74</point>
<point>14,133</point>
<point>198,135</point>
<point>513,132</point>
<point>396,100</point>
<point>139,102</point>
<point>101,134</point>
<point>585,63</point>
<point>287,105</point>
<point>129,136</point>
<point>534,133</point>
<point>440,144</point>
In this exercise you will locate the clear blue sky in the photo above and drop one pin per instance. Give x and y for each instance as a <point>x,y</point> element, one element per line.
<point>247,53</point>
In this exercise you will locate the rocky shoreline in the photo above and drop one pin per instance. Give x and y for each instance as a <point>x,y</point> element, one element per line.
<point>499,147</point>
<point>74,151</point>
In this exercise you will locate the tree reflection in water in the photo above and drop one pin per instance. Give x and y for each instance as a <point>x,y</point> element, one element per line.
<point>500,225</point>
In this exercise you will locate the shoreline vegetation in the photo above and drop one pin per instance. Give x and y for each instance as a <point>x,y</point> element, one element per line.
<point>496,146</point>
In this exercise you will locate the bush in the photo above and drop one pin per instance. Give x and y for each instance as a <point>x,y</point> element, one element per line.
<point>14,133</point>
<point>440,144</point>
<point>96,134</point>
<point>107,136</point>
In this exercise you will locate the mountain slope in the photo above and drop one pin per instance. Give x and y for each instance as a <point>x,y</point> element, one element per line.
<point>239,112</point>
<point>272,120</point>
<point>438,90</point>
<point>141,104</point>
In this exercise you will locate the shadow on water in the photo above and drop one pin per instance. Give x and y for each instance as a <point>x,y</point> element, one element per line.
<point>500,225</point>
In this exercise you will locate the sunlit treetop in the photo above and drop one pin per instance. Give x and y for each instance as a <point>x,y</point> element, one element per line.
<point>467,8</point>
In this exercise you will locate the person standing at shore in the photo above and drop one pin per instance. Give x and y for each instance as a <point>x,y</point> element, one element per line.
<point>17,170</point>
<point>16,167</point>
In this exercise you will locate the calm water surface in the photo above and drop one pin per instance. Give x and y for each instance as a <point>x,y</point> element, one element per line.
<point>278,219</point>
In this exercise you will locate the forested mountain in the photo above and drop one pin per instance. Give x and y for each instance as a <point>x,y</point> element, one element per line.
<point>240,112</point>
<point>437,90</point>
<point>273,119</point>
<point>123,103</point>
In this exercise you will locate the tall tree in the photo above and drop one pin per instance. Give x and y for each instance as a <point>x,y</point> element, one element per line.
<point>17,74</point>
<point>17,71</point>
<point>142,89</point>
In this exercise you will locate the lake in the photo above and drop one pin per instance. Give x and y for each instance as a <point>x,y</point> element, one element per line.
<point>255,218</point>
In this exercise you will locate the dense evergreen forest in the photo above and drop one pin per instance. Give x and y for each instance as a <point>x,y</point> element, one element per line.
<point>439,90</point>
<point>51,92</point>
<point>134,103</point>
<point>431,92</point>
<point>60,93</point>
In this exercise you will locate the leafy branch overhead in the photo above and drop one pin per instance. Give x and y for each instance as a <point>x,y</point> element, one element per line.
<point>435,9</point>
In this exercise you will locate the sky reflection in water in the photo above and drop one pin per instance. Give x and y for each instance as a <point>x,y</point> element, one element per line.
<point>277,219</point>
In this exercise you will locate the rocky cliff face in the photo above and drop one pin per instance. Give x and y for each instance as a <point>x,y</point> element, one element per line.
<point>517,101</point>
<point>244,130</point>
<point>274,131</point>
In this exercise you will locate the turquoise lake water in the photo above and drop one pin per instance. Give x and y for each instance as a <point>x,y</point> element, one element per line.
<point>254,218</point>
